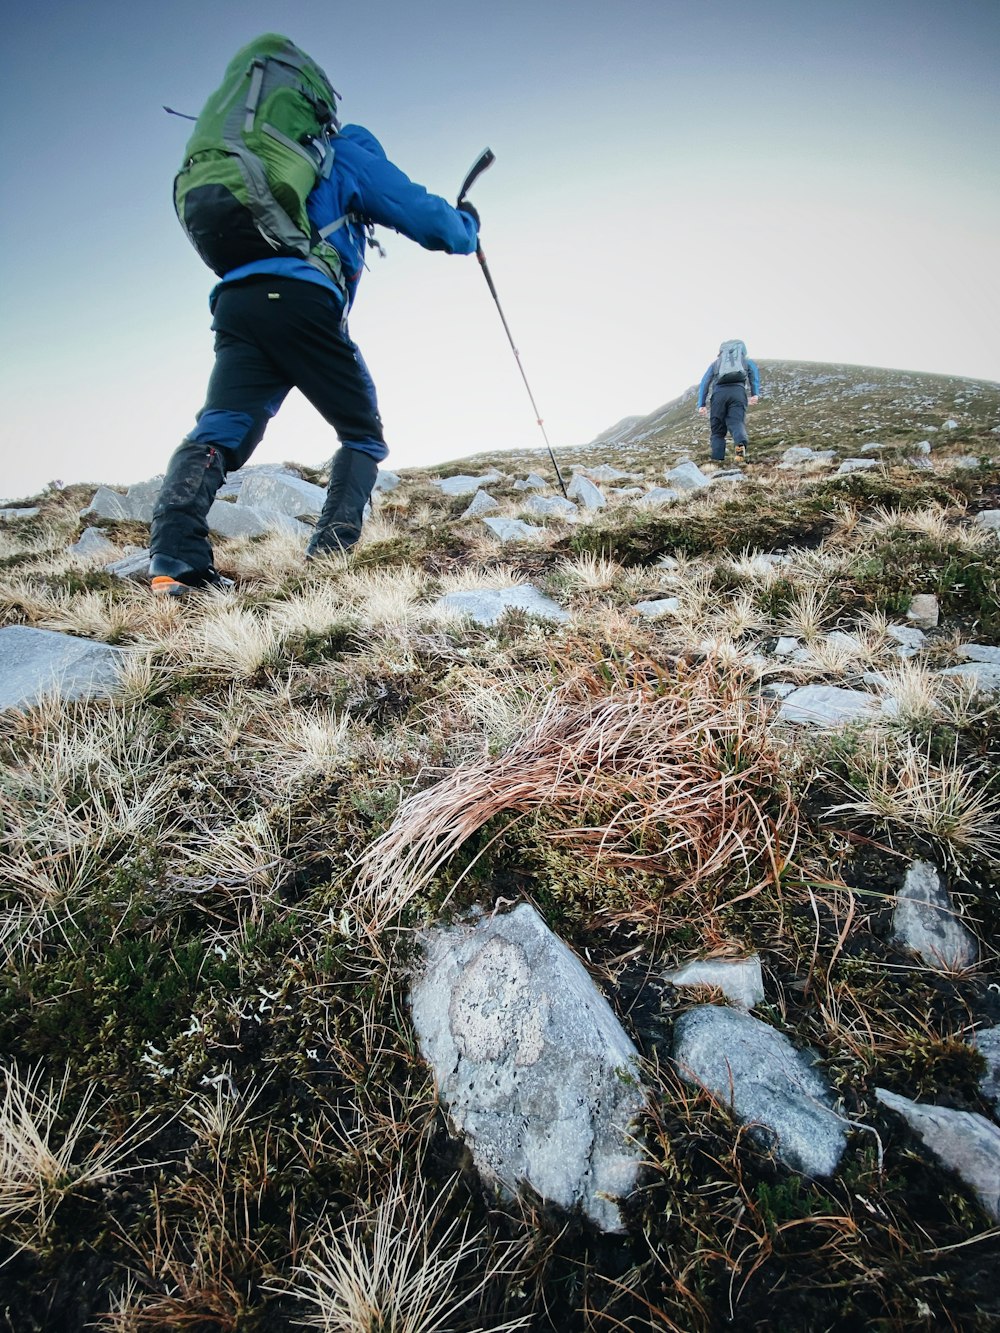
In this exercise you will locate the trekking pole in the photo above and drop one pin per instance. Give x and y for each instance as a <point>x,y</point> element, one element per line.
<point>486,159</point>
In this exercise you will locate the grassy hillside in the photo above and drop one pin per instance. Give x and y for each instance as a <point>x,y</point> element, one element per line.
<point>214,1113</point>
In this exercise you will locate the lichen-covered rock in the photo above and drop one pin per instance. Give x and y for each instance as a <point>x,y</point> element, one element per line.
<point>767,1083</point>
<point>925,921</point>
<point>987,1043</point>
<point>531,1063</point>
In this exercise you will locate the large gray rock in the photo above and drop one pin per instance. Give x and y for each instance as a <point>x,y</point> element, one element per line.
<point>135,566</point>
<point>739,979</point>
<point>107,503</point>
<point>282,495</point>
<point>829,706</point>
<point>34,662</point>
<point>767,1083</point>
<point>550,506</point>
<point>924,921</point>
<point>513,529</point>
<point>659,495</point>
<point>233,483</point>
<point>141,498</point>
<point>964,1141</point>
<point>488,606</point>
<point>988,518</point>
<point>532,482</point>
<point>909,637</point>
<point>987,1043</point>
<point>237,520</point>
<point>92,542</point>
<point>687,477</point>
<point>386,482</point>
<point>585,493</point>
<point>985,676</point>
<point>464,485</point>
<point>531,1063</point>
<point>980,652</point>
<point>482,503</point>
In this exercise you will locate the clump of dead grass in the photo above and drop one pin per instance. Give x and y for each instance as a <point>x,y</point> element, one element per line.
<point>677,779</point>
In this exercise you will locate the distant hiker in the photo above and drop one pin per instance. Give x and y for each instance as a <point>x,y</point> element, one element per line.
<point>724,385</point>
<point>289,273</point>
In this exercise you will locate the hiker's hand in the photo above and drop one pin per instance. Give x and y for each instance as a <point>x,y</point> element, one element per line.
<point>464,206</point>
<point>702,411</point>
<point>753,399</point>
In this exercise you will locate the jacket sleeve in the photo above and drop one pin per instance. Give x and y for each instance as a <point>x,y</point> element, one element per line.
<point>754,378</point>
<point>706,383</point>
<point>388,197</point>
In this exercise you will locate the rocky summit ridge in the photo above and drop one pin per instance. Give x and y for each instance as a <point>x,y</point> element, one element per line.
<point>564,912</point>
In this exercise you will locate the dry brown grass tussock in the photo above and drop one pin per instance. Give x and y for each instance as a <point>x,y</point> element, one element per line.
<point>672,779</point>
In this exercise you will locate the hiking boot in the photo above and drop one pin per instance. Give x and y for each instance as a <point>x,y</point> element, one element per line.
<point>172,578</point>
<point>352,476</point>
<point>740,453</point>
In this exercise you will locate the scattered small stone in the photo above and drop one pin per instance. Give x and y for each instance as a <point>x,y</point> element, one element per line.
<point>662,606</point>
<point>739,979</point>
<point>488,606</point>
<point>768,1084</point>
<point>923,610</point>
<point>985,676</point>
<point>925,921</point>
<point>980,652</point>
<point>513,529</point>
<point>133,566</point>
<point>856,465</point>
<point>386,482</point>
<point>532,482</point>
<point>988,518</point>
<point>964,1141</point>
<point>909,637</point>
<point>922,447</point>
<point>785,645</point>
<point>9,515</point>
<point>950,424</point>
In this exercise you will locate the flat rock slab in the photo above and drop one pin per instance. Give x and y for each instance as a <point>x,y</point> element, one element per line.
<point>550,506</point>
<point>8,515</point>
<point>237,520</point>
<point>133,566</point>
<point>488,606</point>
<point>988,518</point>
<point>34,662</point>
<point>964,1141</point>
<point>985,676</point>
<point>464,485</point>
<point>766,1082</point>
<point>533,1067</point>
<point>909,637</point>
<point>856,465</point>
<point>739,979</point>
<point>513,529</point>
<point>282,494</point>
<point>925,921</point>
<point>980,652</point>
<point>829,706</point>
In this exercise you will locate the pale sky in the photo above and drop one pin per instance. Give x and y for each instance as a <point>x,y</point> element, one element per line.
<point>819,180</point>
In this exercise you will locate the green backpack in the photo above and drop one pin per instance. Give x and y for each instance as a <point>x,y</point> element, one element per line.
<point>257,150</point>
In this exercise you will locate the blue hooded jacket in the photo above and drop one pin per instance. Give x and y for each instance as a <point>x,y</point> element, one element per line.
<point>364,187</point>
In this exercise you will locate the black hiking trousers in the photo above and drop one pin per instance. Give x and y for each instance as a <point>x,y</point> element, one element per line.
<point>727,413</point>
<point>271,335</point>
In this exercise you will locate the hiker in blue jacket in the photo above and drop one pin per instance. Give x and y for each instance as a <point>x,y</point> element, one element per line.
<point>724,385</point>
<point>281,323</point>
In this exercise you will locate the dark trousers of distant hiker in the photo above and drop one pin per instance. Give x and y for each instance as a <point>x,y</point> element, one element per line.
<point>271,335</point>
<point>727,412</point>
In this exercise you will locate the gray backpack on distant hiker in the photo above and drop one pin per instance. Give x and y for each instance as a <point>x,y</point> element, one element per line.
<point>733,367</point>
